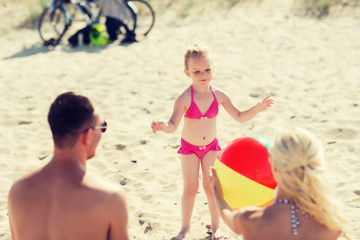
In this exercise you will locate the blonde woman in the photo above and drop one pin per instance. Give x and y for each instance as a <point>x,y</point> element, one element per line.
<point>303,208</point>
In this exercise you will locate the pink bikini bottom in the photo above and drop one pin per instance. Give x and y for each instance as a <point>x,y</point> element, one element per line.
<point>188,148</point>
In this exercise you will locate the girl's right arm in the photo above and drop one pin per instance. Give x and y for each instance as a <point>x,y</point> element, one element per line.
<point>173,123</point>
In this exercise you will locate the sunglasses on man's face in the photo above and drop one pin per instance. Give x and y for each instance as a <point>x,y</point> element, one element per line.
<point>102,127</point>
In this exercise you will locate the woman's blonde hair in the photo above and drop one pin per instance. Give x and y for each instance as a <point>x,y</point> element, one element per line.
<point>298,166</point>
<point>195,51</point>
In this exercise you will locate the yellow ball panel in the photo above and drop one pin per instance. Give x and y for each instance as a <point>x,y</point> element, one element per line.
<point>240,191</point>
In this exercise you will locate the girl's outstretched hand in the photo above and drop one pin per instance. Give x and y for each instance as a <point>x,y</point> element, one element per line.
<point>267,102</point>
<point>157,126</point>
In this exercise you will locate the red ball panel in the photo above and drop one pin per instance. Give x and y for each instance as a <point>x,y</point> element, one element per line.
<point>249,157</point>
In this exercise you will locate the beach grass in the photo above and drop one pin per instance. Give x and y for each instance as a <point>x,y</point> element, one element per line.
<point>322,8</point>
<point>20,14</point>
<point>34,10</point>
<point>317,8</point>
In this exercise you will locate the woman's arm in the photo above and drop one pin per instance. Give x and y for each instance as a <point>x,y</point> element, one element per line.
<point>229,216</point>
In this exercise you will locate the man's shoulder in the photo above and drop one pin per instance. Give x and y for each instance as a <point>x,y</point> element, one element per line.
<point>108,197</point>
<point>21,187</point>
<point>104,188</point>
<point>26,180</point>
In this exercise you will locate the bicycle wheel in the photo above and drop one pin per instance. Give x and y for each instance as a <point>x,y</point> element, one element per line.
<point>52,23</point>
<point>144,17</point>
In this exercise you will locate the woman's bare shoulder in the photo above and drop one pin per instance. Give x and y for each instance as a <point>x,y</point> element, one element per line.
<point>260,215</point>
<point>250,212</point>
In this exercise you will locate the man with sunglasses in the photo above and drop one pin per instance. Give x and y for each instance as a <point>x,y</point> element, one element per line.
<point>61,200</point>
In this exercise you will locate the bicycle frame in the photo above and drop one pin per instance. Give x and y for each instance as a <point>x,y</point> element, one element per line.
<point>79,4</point>
<point>60,4</point>
<point>132,6</point>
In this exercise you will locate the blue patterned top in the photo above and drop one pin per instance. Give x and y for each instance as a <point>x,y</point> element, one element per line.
<point>295,223</point>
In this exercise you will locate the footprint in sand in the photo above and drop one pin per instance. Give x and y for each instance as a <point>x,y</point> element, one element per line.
<point>120,146</point>
<point>24,122</point>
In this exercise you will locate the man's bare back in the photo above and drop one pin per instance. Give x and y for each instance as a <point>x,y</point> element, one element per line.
<point>61,201</point>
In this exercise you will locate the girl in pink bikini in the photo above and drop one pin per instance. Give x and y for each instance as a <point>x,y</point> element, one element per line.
<point>199,143</point>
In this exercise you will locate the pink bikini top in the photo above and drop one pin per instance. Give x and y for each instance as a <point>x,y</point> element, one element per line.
<point>195,113</point>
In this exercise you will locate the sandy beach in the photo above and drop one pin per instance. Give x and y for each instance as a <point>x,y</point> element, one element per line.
<point>309,66</point>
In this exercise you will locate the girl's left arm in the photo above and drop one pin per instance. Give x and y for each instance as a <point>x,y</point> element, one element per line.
<point>243,116</point>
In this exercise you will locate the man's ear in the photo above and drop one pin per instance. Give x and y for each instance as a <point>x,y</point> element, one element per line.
<point>85,137</point>
<point>187,72</point>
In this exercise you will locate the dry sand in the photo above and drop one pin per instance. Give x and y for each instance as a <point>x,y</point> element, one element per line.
<point>310,67</point>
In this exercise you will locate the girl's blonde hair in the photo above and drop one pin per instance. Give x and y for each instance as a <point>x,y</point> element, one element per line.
<point>298,158</point>
<point>195,51</point>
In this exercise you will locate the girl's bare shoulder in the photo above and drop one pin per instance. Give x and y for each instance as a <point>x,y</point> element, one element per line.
<point>216,89</point>
<point>185,96</point>
<point>186,92</point>
<point>219,93</point>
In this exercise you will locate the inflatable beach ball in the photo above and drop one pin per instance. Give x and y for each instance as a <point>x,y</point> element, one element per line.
<point>245,173</point>
<point>97,35</point>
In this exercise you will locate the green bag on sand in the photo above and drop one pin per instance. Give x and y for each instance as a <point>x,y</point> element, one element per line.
<point>97,35</point>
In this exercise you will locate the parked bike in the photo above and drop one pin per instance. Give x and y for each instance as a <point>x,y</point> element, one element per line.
<point>57,18</point>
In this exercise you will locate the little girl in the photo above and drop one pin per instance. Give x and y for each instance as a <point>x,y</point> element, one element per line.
<point>199,143</point>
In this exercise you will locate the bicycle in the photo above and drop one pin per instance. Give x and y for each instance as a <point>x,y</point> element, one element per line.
<point>143,17</point>
<point>56,18</point>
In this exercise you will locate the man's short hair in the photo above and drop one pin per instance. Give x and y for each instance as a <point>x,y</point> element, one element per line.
<point>69,114</point>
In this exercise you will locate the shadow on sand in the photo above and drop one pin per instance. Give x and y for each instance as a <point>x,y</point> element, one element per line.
<point>40,49</point>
